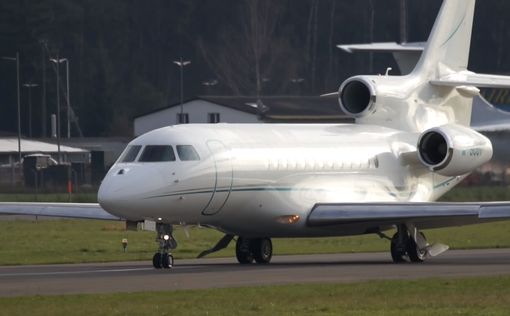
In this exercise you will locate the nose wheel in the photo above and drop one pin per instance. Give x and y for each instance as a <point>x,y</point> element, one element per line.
<point>163,259</point>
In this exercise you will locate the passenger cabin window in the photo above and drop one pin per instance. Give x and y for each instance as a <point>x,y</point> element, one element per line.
<point>130,153</point>
<point>157,153</point>
<point>187,153</point>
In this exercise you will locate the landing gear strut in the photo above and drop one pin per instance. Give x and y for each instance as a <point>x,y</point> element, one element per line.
<point>409,243</point>
<point>163,259</point>
<point>250,249</point>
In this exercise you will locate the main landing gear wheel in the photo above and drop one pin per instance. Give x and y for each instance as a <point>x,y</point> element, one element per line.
<point>262,250</point>
<point>413,251</point>
<point>398,249</point>
<point>243,250</point>
<point>403,246</point>
<point>258,249</point>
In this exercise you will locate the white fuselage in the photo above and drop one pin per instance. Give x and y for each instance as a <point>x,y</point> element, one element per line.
<point>251,175</point>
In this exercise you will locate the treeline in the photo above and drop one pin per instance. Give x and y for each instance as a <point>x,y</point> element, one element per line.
<point>121,52</point>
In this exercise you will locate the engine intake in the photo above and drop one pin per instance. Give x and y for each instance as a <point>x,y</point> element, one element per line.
<point>433,148</point>
<point>357,96</point>
<point>453,150</point>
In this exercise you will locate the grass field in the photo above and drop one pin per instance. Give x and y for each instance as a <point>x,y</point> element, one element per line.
<point>71,241</point>
<point>48,197</point>
<point>478,296</point>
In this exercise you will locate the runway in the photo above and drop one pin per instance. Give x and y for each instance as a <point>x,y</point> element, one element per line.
<point>217,273</point>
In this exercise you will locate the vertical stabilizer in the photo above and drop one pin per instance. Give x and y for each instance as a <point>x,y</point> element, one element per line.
<point>448,46</point>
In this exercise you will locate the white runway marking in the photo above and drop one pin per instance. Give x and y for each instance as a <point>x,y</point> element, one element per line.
<point>73,272</point>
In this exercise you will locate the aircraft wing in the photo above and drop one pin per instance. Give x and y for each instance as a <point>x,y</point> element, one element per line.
<point>473,79</point>
<point>423,215</point>
<point>70,210</point>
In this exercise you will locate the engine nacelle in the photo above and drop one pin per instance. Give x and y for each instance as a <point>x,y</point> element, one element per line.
<point>357,96</point>
<point>453,150</point>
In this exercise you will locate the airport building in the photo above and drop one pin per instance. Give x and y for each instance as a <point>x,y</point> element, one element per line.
<point>37,156</point>
<point>243,109</point>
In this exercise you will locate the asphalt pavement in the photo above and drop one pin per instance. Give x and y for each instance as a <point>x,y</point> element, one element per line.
<point>219,273</point>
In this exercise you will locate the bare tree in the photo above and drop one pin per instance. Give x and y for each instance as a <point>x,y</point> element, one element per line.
<point>247,56</point>
<point>330,71</point>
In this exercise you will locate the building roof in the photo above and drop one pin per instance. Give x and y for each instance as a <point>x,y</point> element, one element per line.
<point>279,108</point>
<point>10,145</point>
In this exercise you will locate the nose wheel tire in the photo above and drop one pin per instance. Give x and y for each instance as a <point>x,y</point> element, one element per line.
<point>162,260</point>
<point>156,260</point>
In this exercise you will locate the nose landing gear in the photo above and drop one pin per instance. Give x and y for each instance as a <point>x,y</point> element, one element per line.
<point>163,259</point>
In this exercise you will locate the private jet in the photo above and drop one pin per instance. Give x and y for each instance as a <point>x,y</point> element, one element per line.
<point>410,144</point>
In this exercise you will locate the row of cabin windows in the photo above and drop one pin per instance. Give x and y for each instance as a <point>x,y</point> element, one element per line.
<point>317,165</point>
<point>183,118</point>
<point>159,153</point>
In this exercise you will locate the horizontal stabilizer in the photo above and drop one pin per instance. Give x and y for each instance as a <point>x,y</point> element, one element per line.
<point>390,47</point>
<point>473,79</point>
<point>406,54</point>
<point>429,215</point>
<point>69,210</point>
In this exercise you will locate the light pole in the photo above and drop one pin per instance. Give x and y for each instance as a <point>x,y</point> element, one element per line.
<point>181,65</point>
<point>68,112</point>
<point>58,61</point>
<point>16,59</point>
<point>29,86</point>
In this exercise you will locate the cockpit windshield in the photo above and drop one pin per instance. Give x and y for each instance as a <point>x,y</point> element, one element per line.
<point>130,153</point>
<point>187,153</point>
<point>157,153</point>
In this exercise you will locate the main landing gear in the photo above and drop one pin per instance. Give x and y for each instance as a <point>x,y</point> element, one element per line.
<point>248,250</point>
<point>258,249</point>
<point>409,243</point>
<point>163,259</point>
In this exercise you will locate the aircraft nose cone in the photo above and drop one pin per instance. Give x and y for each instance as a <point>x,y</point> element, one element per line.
<point>123,192</point>
<point>105,196</point>
<point>115,193</point>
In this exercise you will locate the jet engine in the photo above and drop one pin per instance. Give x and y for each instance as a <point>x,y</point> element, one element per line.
<point>453,150</point>
<point>357,96</point>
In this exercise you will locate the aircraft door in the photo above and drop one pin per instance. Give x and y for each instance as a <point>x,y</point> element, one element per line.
<point>222,185</point>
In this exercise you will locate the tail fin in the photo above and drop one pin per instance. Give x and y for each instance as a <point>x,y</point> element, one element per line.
<point>450,39</point>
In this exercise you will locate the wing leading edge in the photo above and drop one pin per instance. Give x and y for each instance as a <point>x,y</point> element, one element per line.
<point>69,210</point>
<point>423,215</point>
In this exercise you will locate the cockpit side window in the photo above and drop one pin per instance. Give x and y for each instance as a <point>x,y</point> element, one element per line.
<point>157,153</point>
<point>130,153</point>
<point>187,153</point>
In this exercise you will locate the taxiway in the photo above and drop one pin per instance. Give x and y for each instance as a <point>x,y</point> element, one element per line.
<point>215,273</point>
